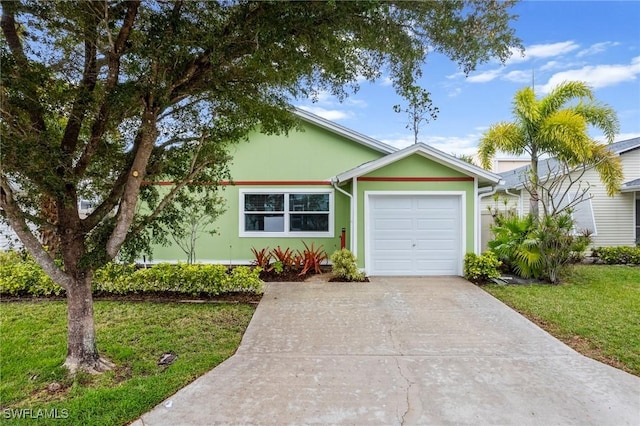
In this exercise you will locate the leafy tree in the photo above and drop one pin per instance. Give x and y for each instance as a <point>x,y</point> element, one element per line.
<point>99,98</point>
<point>556,127</point>
<point>419,109</point>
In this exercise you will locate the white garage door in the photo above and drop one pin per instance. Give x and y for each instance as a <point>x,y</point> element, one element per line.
<point>414,235</point>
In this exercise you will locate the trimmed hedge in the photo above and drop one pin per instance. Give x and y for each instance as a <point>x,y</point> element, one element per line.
<point>622,255</point>
<point>20,276</point>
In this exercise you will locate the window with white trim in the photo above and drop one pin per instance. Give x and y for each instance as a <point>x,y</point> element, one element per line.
<point>286,213</point>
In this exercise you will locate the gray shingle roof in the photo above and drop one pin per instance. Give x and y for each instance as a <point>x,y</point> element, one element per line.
<point>514,178</point>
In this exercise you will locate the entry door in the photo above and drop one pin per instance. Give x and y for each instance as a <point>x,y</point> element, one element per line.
<point>415,235</point>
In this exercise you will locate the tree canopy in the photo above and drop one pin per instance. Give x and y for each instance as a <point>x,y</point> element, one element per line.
<point>99,97</point>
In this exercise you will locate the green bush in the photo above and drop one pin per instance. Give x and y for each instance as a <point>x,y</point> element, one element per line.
<point>182,278</point>
<point>622,255</point>
<point>21,277</point>
<point>481,268</point>
<point>345,266</point>
<point>539,249</point>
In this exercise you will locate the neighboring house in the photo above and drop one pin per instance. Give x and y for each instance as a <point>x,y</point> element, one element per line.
<point>613,221</point>
<point>404,212</point>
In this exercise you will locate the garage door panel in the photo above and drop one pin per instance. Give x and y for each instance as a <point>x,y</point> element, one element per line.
<point>436,245</point>
<point>390,245</point>
<point>393,203</point>
<point>435,223</point>
<point>415,235</point>
<point>392,267</point>
<point>394,224</point>
<point>433,254</point>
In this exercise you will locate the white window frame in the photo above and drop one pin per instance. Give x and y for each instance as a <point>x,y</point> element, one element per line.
<point>286,191</point>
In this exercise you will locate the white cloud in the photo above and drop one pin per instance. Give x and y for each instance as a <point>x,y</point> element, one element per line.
<point>450,144</point>
<point>454,92</point>
<point>596,48</point>
<point>329,114</point>
<point>551,65</point>
<point>457,145</point>
<point>625,136</point>
<point>518,76</point>
<point>356,102</point>
<point>455,75</point>
<point>536,51</point>
<point>618,137</point>
<point>596,76</point>
<point>386,81</point>
<point>485,77</point>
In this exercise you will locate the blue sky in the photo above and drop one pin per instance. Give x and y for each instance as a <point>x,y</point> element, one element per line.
<point>593,41</point>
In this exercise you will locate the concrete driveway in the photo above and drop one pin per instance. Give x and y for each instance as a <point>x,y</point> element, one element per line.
<point>400,351</point>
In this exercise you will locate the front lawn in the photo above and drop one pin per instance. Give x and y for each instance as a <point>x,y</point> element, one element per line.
<point>596,311</point>
<point>132,335</point>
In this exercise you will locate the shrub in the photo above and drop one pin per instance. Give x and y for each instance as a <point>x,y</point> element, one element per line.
<point>21,277</point>
<point>262,258</point>
<point>481,268</point>
<point>345,266</point>
<point>540,250</point>
<point>312,259</point>
<point>511,234</point>
<point>210,280</point>
<point>621,255</point>
<point>285,260</point>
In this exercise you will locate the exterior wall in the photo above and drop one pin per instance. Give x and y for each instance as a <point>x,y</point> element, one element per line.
<point>300,160</point>
<point>614,216</point>
<point>419,167</point>
<point>500,201</point>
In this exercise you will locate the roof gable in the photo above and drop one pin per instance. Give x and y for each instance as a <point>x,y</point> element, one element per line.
<point>426,151</point>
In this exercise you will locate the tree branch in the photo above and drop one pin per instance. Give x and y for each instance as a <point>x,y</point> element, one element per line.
<point>17,222</point>
<point>113,72</point>
<point>87,84</point>
<point>147,136</point>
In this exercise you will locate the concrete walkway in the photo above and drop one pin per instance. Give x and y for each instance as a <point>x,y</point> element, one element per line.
<point>400,351</point>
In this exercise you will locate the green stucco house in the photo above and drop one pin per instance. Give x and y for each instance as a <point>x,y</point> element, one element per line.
<point>404,212</point>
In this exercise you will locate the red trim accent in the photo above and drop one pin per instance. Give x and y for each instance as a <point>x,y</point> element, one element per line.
<point>416,179</point>
<point>249,182</point>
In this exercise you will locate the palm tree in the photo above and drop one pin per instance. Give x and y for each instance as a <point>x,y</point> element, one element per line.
<point>557,125</point>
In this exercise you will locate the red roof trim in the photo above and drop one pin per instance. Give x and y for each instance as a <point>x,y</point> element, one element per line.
<point>250,182</point>
<point>416,179</point>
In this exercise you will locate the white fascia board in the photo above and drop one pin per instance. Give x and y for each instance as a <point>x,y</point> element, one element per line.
<point>634,188</point>
<point>426,151</point>
<point>343,131</point>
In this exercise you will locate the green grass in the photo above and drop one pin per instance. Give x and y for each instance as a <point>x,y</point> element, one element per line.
<point>596,310</point>
<point>132,335</point>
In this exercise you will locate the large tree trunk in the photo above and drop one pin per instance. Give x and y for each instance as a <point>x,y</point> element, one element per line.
<point>82,352</point>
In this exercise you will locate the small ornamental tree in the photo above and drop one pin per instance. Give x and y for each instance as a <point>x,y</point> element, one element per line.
<point>99,98</point>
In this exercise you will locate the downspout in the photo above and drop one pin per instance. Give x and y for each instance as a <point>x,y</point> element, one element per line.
<point>486,191</point>
<point>351,213</point>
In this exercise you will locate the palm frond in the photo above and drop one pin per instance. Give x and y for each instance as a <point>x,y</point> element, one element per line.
<point>525,106</point>
<point>506,137</point>
<point>600,116</point>
<point>562,94</point>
